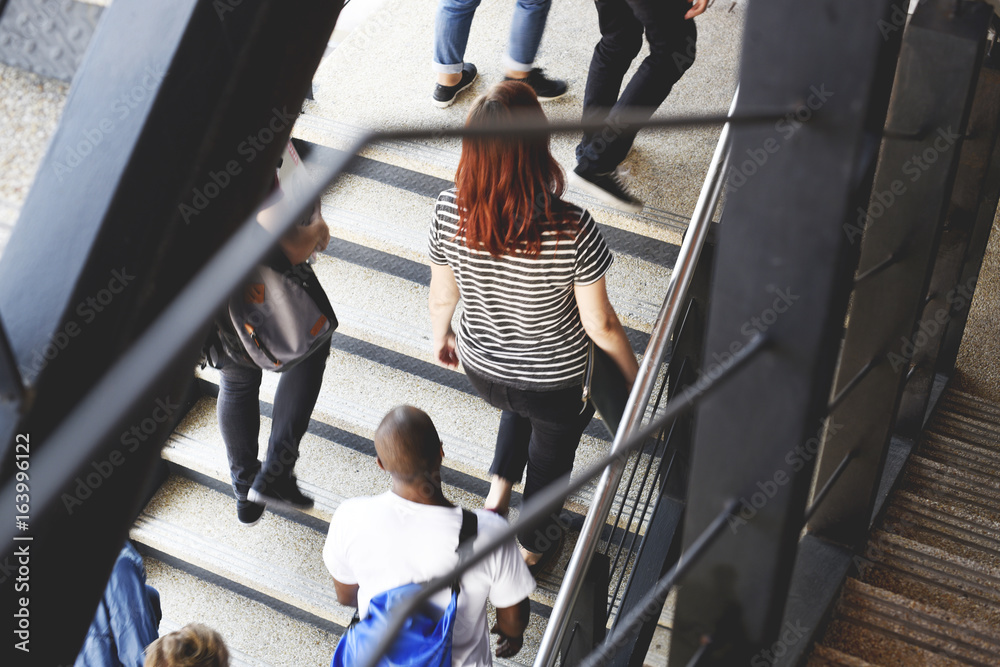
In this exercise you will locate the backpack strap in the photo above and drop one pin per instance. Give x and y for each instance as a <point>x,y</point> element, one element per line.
<point>466,536</point>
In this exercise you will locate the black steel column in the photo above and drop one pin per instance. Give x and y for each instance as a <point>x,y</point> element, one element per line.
<point>949,294</point>
<point>167,142</point>
<point>898,234</point>
<point>984,208</point>
<point>783,271</point>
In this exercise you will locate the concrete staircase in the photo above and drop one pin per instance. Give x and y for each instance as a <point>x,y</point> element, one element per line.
<point>243,579</point>
<point>265,588</point>
<point>928,587</point>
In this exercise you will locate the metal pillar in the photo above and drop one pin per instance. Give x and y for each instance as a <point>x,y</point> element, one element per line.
<point>938,67</point>
<point>167,142</point>
<point>783,270</point>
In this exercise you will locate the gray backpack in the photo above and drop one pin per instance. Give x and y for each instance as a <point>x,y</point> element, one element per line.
<point>281,316</point>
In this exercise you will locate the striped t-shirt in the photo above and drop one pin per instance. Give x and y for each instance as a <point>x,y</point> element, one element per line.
<point>520,325</point>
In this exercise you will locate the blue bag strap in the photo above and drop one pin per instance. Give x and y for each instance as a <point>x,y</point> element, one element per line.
<point>466,536</point>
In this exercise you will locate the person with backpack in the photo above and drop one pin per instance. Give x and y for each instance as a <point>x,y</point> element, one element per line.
<point>411,534</point>
<point>232,352</point>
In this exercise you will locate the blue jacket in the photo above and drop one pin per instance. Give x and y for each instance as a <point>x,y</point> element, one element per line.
<point>127,618</point>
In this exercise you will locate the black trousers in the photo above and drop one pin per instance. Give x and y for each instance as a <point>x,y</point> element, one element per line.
<point>238,410</point>
<point>672,50</point>
<point>540,430</point>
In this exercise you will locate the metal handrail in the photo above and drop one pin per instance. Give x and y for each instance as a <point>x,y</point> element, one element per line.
<point>635,409</point>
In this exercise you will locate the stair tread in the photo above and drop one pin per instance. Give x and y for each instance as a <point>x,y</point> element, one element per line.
<point>900,613</point>
<point>824,656</point>
<point>259,635</point>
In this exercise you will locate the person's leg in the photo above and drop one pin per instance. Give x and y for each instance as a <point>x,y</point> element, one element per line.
<point>294,400</point>
<point>511,452</point>
<point>509,459</point>
<point>451,36</point>
<point>526,28</point>
<point>238,410</point>
<point>672,41</point>
<point>558,419</point>
<point>621,40</point>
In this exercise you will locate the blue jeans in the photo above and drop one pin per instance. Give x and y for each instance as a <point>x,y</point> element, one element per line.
<point>540,430</point>
<point>238,409</point>
<point>671,40</point>
<point>451,34</point>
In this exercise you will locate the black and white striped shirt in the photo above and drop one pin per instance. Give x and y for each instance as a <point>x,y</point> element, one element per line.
<point>520,325</point>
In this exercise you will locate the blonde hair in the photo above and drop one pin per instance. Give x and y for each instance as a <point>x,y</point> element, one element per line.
<point>194,645</point>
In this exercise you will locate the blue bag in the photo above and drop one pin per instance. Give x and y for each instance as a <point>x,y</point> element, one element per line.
<point>425,640</point>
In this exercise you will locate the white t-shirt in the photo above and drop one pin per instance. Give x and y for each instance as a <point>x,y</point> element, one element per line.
<point>381,542</point>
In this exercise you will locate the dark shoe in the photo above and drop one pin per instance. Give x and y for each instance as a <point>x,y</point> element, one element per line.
<point>606,187</point>
<point>545,88</point>
<point>280,493</point>
<point>248,513</point>
<point>444,96</point>
<point>548,558</point>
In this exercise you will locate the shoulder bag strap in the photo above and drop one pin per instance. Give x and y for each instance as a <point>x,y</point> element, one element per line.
<point>466,536</point>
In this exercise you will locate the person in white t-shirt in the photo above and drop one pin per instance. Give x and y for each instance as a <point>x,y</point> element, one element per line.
<point>409,535</point>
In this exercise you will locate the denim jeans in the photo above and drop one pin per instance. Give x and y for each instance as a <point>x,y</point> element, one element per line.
<point>540,430</point>
<point>238,408</point>
<point>671,52</point>
<point>451,34</point>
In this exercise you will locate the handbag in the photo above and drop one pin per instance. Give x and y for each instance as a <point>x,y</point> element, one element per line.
<point>426,639</point>
<point>604,387</point>
<point>282,315</point>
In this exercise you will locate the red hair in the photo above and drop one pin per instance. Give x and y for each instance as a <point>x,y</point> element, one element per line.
<point>509,188</point>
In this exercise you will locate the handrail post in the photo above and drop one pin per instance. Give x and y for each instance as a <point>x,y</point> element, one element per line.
<point>669,316</point>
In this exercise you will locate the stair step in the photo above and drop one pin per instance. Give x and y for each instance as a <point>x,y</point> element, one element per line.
<point>256,634</point>
<point>933,593</point>
<point>933,565</point>
<point>196,448</point>
<point>466,423</point>
<point>276,563</point>
<point>936,530</point>
<point>635,287</point>
<point>960,454</point>
<point>824,656</point>
<point>281,560</point>
<point>933,629</point>
<point>437,160</point>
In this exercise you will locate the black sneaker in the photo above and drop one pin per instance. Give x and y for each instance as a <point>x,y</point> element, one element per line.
<point>248,513</point>
<point>545,88</point>
<point>606,187</point>
<point>444,96</point>
<point>280,492</point>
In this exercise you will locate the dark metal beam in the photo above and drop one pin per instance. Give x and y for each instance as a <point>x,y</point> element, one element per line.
<point>784,266</point>
<point>167,142</point>
<point>932,94</point>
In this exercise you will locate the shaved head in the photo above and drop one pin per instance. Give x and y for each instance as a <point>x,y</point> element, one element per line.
<point>407,443</point>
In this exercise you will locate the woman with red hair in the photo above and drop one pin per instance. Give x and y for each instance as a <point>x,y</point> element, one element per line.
<point>529,269</point>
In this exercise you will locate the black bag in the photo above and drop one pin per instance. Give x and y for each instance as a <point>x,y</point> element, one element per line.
<point>605,387</point>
